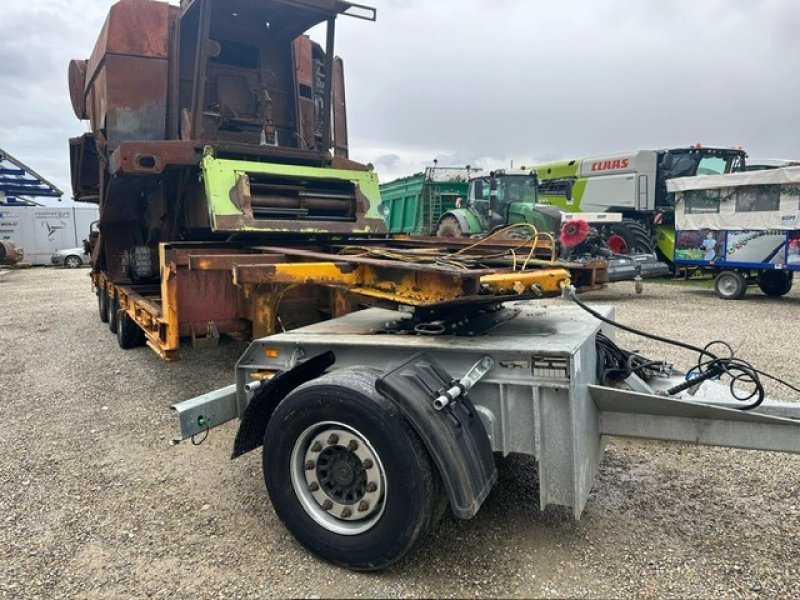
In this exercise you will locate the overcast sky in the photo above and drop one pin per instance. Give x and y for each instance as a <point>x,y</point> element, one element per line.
<point>484,82</point>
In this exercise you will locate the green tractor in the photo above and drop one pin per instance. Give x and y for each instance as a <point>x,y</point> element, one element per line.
<point>498,200</point>
<point>502,199</point>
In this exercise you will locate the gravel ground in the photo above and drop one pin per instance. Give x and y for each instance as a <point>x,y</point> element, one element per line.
<point>95,502</point>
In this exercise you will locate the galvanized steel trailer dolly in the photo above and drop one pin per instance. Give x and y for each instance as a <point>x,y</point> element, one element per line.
<point>369,437</point>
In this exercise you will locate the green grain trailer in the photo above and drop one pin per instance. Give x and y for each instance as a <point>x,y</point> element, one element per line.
<point>413,205</point>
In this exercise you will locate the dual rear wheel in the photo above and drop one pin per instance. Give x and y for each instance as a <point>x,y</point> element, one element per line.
<point>129,335</point>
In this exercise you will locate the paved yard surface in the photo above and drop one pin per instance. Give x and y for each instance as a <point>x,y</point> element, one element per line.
<point>94,501</point>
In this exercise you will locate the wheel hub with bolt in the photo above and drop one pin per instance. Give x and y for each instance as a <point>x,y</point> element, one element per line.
<point>728,285</point>
<point>338,478</point>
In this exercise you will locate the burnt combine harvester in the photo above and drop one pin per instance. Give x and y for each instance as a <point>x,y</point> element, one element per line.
<point>218,155</point>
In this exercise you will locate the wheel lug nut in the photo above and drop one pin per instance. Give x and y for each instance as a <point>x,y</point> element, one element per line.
<point>313,486</point>
<point>363,506</point>
<point>327,505</point>
<point>316,447</point>
<point>310,464</point>
<point>372,487</point>
<point>367,464</point>
<point>333,439</point>
<point>352,446</point>
<point>347,513</point>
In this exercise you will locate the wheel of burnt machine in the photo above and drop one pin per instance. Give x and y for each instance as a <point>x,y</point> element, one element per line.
<point>113,307</point>
<point>346,473</point>
<point>102,305</point>
<point>730,285</point>
<point>775,283</point>
<point>449,227</point>
<point>129,335</point>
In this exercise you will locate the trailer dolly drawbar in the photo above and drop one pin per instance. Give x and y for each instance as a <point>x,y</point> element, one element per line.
<point>367,437</point>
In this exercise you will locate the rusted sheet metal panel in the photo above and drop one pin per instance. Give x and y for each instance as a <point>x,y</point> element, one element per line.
<point>136,98</point>
<point>151,158</point>
<point>127,74</point>
<point>304,75</point>
<point>85,168</point>
<point>132,28</point>
<point>205,296</point>
<point>77,87</point>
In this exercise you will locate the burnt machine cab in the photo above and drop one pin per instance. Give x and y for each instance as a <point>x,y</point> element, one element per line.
<point>217,117</point>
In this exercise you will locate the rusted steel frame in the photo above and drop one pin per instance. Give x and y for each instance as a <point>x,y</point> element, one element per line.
<point>169,338</point>
<point>129,298</point>
<point>215,262</point>
<point>387,264</point>
<point>341,144</point>
<point>327,273</point>
<point>412,287</point>
<point>541,281</point>
<point>180,253</point>
<point>174,74</point>
<point>330,47</point>
<point>201,67</point>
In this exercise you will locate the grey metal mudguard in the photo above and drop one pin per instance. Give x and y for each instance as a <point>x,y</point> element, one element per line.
<point>455,436</point>
<point>254,421</point>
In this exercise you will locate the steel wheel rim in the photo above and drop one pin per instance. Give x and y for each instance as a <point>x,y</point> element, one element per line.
<point>728,285</point>
<point>336,477</point>
<point>73,263</point>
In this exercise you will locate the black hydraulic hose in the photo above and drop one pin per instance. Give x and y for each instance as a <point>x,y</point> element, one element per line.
<point>738,370</point>
<point>652,336</point>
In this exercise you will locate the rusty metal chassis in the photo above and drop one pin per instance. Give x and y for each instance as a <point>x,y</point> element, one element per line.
<point>208,289</point>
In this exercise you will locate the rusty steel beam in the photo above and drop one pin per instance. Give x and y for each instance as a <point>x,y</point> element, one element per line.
<point>200,68</point>
<point>211,262</point>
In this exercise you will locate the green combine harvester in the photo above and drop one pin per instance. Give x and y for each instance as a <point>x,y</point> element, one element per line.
<point>635,185</point>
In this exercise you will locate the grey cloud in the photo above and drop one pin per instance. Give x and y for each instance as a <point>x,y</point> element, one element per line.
<point>485,82</point>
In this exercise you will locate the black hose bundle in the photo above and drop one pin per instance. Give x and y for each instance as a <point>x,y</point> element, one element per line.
<point>614,363</point>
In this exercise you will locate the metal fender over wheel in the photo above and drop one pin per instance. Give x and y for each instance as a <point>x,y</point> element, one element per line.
<point>775,283</point>
<point>346,473</point>
<point>112,309</point>
<point>449,227</point>
<point>730,285</point>
<point>73,262</point>
<point>129,335</point>
<point>102,305</point>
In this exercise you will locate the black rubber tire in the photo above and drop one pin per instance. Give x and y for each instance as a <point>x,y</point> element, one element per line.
<point>775,283</point>
<point>348,397</point>
<point>73,262</point>
<point>113,309</point>
<point>129,335</point>
<point>643,241</point>
<point>102,305</point>
<point>635,236</point>
<point>449,227</point>
<point>730,285</point>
